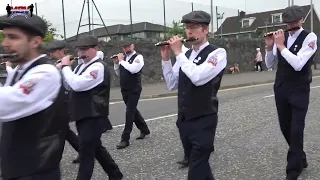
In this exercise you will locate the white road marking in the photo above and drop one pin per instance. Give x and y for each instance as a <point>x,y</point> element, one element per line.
<point>151,119</point>
<point>223,90</point>
<point>172,115</point>
<point>313,87</point>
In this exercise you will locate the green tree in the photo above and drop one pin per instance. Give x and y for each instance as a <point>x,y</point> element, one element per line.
<point>178,28</point>
<point>51,31</point>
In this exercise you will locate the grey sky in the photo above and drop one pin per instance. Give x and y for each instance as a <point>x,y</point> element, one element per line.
<point>117,12</point>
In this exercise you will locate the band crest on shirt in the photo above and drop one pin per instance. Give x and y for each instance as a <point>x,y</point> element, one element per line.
<point>137,61</point>
<point>213,61</point>
<point>28,86</point>
<point>311,44</point>
<point>94,74</point>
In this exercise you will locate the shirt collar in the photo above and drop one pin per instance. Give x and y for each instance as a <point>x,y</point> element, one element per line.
<point>26,65</point>
<point>296,34</point>
<point>131,54</point>
<point>202,46</point>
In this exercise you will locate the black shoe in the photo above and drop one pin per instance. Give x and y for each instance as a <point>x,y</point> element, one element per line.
<point>292,175</point>
<point>122,145</point>
<point>183,164</point>
<point>119,176</point>
<point>142,135</point>
<point>76,161</point>
<point>304,164</point>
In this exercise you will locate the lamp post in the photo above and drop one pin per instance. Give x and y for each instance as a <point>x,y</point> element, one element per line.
<point>220,17</point>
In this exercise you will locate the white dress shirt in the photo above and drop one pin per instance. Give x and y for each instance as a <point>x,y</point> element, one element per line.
<point>309,47</point>
<point>34,92</point>
<point>135,67</point>
<point>198,74</point>
<point>90,78</point>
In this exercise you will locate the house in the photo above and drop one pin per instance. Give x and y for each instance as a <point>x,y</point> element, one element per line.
<point>255,25</point>
<point>142,30</point>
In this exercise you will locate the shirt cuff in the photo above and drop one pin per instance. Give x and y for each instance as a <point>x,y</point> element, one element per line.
<point>166,62</point>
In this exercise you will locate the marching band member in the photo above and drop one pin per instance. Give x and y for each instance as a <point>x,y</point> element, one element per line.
<point>57,50</point>
<point>197,75</point>
<point>33,132</point>
<point>129,69</point>
<point>90,84</point>
<point>293,52</point>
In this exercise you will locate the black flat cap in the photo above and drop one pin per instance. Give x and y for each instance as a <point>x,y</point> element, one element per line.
<point>292,14</point>
<point>35,24</point>
<point>200,17</point>
<point>87,41</point>
<point>55,45</point>
<point>127,42</point>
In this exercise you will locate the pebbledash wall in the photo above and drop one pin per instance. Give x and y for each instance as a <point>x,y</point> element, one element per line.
<point>240,51</point>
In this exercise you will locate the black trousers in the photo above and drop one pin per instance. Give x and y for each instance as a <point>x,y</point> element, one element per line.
<point>131,99</point>
<point>292,106</point>
<point>90,131</point>
<point>73,139</point>
<point>259,64</point>
<point>197,137</point>
<point>53,174</point>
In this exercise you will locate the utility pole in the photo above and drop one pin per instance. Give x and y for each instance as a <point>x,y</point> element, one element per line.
<point>36,6</point>
<point>164,15</point>
<point>89,19</point>
<point>192,6</point>
<point>64,21</point>
<point>211,7</point>
<point>220,17</point>
<point>311,15</point>
<point>90,24</point>
<point>131,28</point>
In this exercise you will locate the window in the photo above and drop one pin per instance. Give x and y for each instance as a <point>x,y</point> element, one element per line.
<point>276,18</point>
<point>245,23</point>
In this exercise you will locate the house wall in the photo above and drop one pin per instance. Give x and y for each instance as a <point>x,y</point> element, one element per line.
<point>139,35</point>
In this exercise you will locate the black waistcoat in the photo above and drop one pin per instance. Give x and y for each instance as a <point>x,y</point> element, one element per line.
<point>286,73</point>
<point>94,102</point>
<point>195,101</point>
<point>129,81</point>
<point>35,143</point>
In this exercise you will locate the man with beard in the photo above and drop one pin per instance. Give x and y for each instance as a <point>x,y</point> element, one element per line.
<point>90,92</point>
<point>129,69</point>
<point>33,132</point>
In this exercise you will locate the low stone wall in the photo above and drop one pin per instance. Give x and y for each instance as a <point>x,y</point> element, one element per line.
<point>241,51</point>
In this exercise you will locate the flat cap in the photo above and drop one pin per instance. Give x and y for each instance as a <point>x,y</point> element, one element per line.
<point>87,41</point>
<point>35,24</point>
<point>56,45</point>
<point>127,42</point>
<point>292,14</point>
<point>200,17</point>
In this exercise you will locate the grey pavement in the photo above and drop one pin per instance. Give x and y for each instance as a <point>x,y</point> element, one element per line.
<point>249,144</point>
<point>228,81</point>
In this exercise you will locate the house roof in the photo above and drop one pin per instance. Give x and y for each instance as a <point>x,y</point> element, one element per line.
<point>232,25</point>
<point>121,29</point>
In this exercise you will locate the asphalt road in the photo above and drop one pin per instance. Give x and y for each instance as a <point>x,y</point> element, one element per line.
<point>249,144</point>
